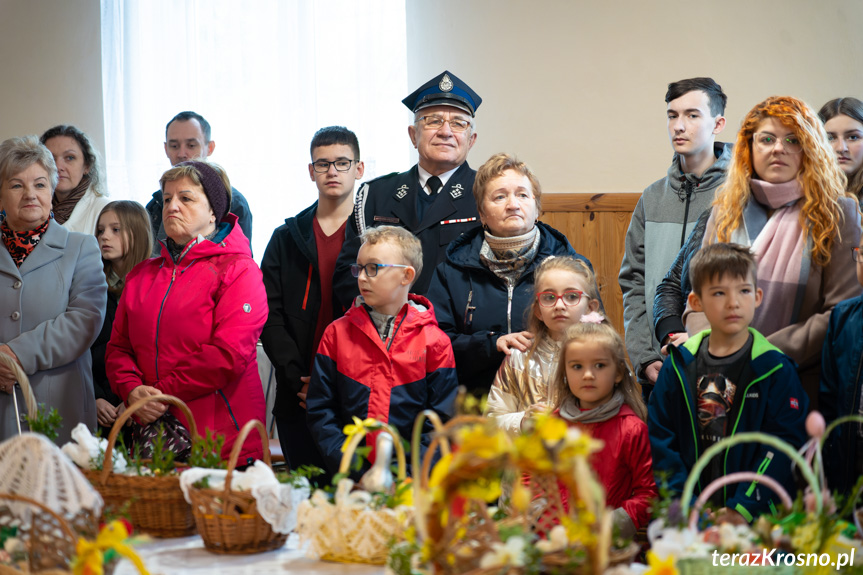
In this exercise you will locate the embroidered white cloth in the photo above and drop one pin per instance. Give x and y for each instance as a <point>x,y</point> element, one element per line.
<point>277,502</point>
<point>85,449</point>
<point>33,466</point>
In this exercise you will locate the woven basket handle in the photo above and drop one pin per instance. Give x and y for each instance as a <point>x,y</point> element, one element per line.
<point>24,382</point>
<point>416,439</point>
<point>750,437</point>
<point>833,425</point>
<point>739,477</point>
<point>441,440</point>
<point>107,462</point>
<point>238,447</point>
<point>64,525</point>
<point>348,455</point>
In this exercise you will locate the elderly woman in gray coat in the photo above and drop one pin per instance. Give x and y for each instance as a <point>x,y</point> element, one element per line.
<point>52,293</point>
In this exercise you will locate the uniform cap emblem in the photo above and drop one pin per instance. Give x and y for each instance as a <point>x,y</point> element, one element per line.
<point>445,83</point>
<point>247,308</point>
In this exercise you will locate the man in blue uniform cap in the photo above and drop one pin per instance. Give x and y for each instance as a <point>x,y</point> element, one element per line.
<point>433,199</point>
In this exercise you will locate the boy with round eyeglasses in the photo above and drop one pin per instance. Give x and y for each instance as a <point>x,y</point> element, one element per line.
<point>386,358</point>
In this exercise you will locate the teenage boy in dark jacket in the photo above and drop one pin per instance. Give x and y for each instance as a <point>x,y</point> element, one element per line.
<point>723,381</point>
<point>298,268</point>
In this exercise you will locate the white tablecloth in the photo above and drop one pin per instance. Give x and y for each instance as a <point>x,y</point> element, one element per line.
<point>187,556</point>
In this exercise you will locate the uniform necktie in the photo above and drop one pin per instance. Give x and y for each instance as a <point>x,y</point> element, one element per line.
<point>434,185</point>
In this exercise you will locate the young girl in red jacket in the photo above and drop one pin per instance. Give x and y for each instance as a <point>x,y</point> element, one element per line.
<point>597,392</point>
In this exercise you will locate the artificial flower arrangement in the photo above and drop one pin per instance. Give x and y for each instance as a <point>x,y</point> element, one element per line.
<point>457,531</point>
<point>816,533</point>
<point>358,522</point>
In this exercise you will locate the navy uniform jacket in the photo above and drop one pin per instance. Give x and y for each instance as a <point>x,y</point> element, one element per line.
<point>391,200</point>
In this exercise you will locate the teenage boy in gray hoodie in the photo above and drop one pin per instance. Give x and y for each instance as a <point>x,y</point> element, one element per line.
<point>667,211</point>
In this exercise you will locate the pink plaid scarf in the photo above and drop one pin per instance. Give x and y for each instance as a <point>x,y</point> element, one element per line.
<point>781,250</point>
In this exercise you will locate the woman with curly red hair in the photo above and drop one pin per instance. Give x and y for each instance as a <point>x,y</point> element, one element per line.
<point>785,197</point>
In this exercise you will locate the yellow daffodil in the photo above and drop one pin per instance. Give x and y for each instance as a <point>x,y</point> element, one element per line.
<point>485,442</point>
<point>531,453</point>
<point>520,497</point>
<point>551,429</point>
<point>358,426</point>
<point>659,566</point>
<point>482,488</point>
<point>440,470</point>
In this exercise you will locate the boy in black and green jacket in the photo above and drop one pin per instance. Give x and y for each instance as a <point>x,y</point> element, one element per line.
<point>723,381</point>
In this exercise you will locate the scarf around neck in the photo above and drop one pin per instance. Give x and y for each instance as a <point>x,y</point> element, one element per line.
<point>21,244</point>
<point>774,196</point>
<point>507,257</point>
<point>177,251</point>
<point>63,208</point>
<point>771,228</point>
<point>570,410</point>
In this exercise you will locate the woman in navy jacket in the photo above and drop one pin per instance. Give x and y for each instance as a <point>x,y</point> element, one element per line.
<point>483,289</point>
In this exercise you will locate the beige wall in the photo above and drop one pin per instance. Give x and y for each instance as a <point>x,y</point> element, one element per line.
<point>577,88</point>
<point>574,87</point>
<point>50,67</point>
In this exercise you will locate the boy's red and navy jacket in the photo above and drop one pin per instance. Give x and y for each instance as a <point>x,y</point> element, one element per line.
<point>769,399</point>
<point>357,374</point>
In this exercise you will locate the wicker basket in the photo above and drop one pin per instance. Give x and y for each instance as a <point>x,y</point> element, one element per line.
<point>84,522</point>
<point>49,540</point>
<point>227,520</point>
<point>705,566</point>
<point>156,504</point>
<point>457,545</point>
<point>349,530</point>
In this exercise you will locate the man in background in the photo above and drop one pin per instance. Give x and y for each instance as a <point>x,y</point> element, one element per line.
<point>188,137</point>
<point>434,199</point>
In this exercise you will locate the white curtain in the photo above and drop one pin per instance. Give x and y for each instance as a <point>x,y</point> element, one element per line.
<point>266,74</point>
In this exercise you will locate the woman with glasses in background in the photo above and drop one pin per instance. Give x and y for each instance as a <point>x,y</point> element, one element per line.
<point>784,197</point>
<point>843,120</point>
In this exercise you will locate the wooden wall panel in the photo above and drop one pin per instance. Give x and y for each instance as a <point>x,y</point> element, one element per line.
<point>595,225</point>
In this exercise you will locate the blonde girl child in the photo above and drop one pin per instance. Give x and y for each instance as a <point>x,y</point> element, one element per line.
<point>596,391</point>
<point>124,236</point>
<point>564,290</point>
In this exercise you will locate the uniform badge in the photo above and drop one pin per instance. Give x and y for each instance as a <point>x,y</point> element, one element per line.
<point>402,191</point>
<point>445,83</point>
<point>247,308</point>
<point>456,191</point>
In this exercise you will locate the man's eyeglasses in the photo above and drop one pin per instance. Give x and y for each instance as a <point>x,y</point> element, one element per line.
<point>437,122</point>
<point>549,298</point>
<point>372,269</point>
<point>323,166</point>
<point>767,141</point>
<point>856,255</point>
